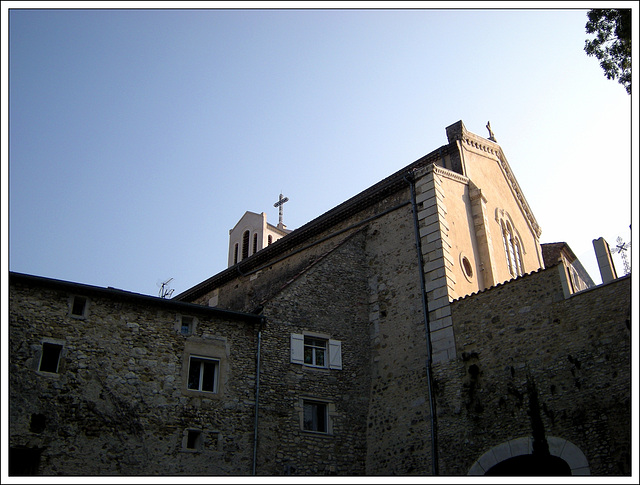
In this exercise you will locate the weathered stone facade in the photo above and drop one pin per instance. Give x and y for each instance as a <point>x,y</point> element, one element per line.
<point>412,330</point>
<point>525,338</point>
<point>118,403</point>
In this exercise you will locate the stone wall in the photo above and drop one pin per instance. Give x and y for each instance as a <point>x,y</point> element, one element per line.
<point>117,403</point>
<point>514,365</point>
<point>523,343</point>
<point>359,283</point>
<point>314,303</point>
<point>398,438</point>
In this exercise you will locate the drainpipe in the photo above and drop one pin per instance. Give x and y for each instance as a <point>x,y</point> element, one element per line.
<point>427,329</point>
<point>255,419</point>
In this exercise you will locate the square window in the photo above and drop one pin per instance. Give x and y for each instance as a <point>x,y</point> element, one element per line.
<point>315,416</point>
<point>315,351</point>
<point>78,306</point>
<point>50,357</point>
<point>186,327</point>
<point>203,374</point>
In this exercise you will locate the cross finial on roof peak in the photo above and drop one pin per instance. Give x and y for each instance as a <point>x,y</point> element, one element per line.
<point>279,204</point>
<point>491,136</point>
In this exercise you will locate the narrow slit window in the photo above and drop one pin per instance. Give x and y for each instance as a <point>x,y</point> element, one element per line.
<point>255,243</point>
<point>513,250</point>
<point>245,244</point>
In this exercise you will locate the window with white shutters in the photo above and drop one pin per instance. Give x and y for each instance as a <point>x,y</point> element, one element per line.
<point>335,354</point>
<point>316,351</point>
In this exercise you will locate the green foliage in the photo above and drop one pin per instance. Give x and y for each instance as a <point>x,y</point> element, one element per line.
<point>612,44</point>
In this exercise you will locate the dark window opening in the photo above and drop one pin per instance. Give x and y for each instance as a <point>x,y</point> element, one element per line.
<point>50,357</point>
<point>255,243</point>
<point>187,326</point>
<point>37,424</point>
<point>530,466</point>
<point>315,416</point>
<point>269,239</point>
<point>24,461</point>
<point>193,439</point>
<point>245,244</point>
<point>235,254</point>
<point>79,304</point>
<point>203,375</point>
<point>467,267</point>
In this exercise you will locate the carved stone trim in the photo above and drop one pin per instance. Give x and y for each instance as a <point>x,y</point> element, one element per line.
<point>443,172</point>
<point>475,142</point>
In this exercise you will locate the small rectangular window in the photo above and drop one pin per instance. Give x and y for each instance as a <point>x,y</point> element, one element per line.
<point>315,351</point>
<point>78,306</point>
<point>203,374</point>
<point>315,416</point>
<point>194,439</point>
<point>50,358</point>
<point>187,326</point>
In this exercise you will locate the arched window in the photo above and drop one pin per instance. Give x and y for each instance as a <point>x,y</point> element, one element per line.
<point>255,243</point>
<point>269,239</point>
<point>245,244</point>
<point>512,249</point>
<point>235,254</point>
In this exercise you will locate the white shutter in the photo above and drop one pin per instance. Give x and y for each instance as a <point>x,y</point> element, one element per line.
<point>335,354</point>
<point>297,348</point>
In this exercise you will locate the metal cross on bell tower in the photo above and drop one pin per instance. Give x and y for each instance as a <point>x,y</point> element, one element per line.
<point>279,204</point>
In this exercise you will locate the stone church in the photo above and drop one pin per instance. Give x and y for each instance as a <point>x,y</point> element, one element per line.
<point>418,328</point>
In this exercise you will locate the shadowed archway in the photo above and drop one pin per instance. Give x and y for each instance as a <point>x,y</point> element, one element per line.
<point>530,466</point>
<point>562,454</point>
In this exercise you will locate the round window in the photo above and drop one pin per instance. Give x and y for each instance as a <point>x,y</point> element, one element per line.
<point>466,265</point>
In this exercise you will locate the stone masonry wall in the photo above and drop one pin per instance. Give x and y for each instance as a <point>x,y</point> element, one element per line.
<point>399,431</point>
<point>117,404</point>
<point>376,265</point>
<point>330,300</point>
<point>522,342</point>
<point>250,289</point>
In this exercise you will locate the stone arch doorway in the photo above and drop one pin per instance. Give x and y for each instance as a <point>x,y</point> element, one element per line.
<point>530,466</point>
<point>514,458</point>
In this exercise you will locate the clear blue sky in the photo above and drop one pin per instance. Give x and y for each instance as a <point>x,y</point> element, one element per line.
<point>138,138</point>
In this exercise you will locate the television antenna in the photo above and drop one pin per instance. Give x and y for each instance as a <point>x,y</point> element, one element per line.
<point>165,291</point>
<point>621,249</point>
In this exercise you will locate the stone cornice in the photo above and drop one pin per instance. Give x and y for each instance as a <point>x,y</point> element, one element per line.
<point>443,172</point>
